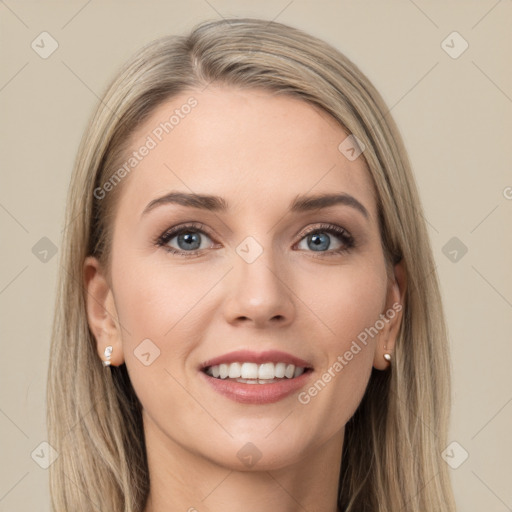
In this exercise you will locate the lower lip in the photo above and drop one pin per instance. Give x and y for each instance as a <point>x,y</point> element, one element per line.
<point>257,393</point>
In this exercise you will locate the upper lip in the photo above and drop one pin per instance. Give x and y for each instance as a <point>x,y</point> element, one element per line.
<point>268,356</point>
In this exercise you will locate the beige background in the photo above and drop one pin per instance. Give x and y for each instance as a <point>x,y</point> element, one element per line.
<point>456,118</point>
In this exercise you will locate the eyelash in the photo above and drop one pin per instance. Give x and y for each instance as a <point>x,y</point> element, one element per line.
<point>194,227</point>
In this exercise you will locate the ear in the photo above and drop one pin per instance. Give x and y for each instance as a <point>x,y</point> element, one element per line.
<point>391,316</point>
<point>101,312</point>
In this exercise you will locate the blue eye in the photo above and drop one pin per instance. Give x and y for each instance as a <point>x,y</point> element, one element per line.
<point>319,242</point>
<point>189,237</point>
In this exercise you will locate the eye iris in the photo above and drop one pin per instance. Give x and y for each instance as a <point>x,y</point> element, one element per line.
<point>189,238</point>
<point>319,244</point>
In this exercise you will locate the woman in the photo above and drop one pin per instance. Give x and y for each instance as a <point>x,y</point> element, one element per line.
<point>246,255</point>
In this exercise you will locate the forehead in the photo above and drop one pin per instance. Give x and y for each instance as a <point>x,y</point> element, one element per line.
<point>254,148</point>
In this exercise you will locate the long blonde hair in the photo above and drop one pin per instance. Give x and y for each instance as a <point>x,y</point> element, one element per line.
<point>391,457</point>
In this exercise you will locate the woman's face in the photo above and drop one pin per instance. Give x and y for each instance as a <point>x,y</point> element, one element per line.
<point>245,274</point>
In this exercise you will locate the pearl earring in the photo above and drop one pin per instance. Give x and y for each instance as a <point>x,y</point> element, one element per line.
<point>108,353</point>
<point>387,356</point>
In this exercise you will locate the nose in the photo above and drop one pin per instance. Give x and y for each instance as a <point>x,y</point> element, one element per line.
<point>258,294</point>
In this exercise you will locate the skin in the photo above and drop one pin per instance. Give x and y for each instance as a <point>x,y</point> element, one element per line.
<point>258,151</point>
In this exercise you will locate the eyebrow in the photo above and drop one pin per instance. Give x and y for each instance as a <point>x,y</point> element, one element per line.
<point>301,203</point>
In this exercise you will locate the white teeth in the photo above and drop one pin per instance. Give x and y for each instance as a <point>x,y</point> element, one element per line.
<point>223,371</point>
<point>235,371</point>
<point>290,370</point>
<point>298,372</point>
<point>253,381</point>
<point>252,373</point>
<point>249,370</point>
<point>280,370</point>
<point>266,371</point>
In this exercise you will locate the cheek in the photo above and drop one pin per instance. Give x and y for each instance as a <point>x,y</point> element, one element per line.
<point>352,305</point>
<point>155,300</point>
<point>157,307</point>
<point>350,302</point>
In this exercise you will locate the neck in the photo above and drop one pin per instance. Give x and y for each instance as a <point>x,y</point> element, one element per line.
<point>181,480</point>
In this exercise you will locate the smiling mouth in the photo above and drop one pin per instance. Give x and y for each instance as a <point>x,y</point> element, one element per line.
<point>253,373</point>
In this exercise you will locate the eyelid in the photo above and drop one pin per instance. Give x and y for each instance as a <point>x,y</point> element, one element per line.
<point>324,226</point>
<point>193,225</point>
